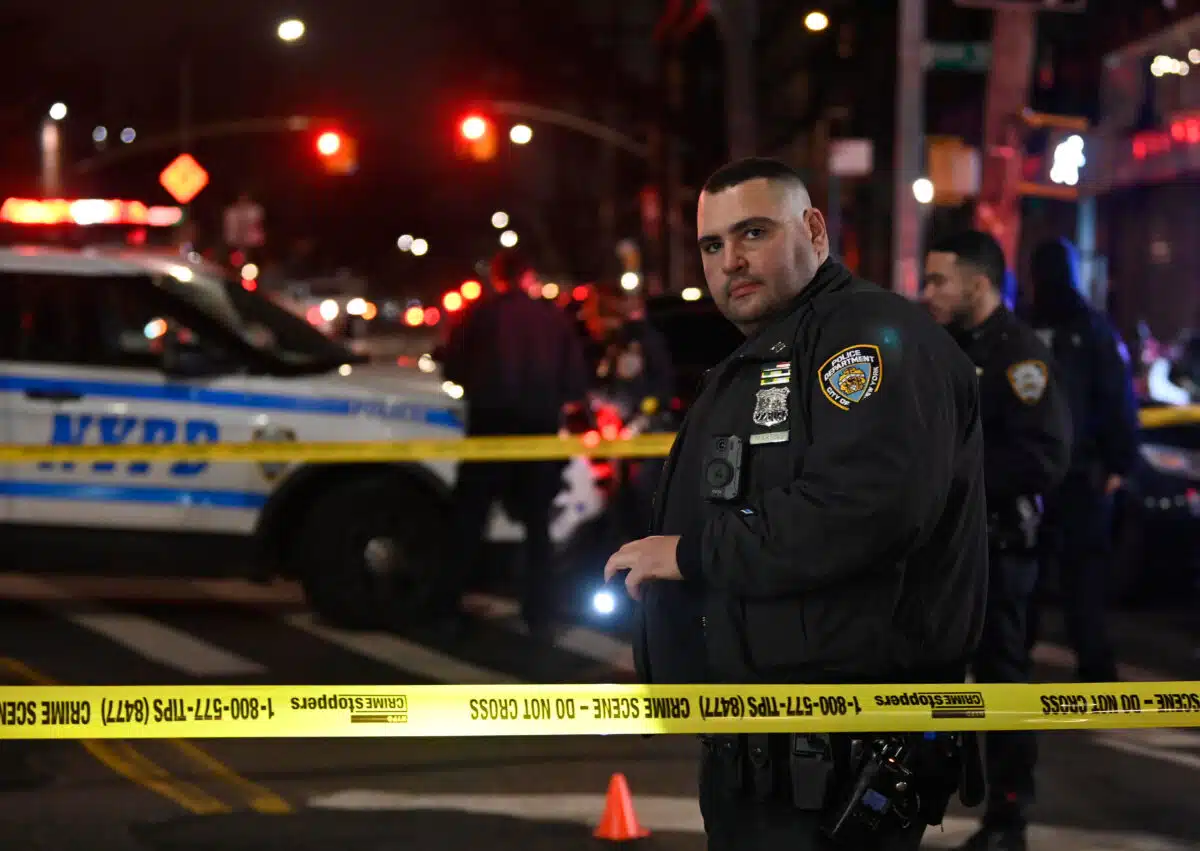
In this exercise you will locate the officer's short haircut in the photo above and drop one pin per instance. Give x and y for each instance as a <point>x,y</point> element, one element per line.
<point>751,168</point>
<point>509,265</point>
<point>978,250</point>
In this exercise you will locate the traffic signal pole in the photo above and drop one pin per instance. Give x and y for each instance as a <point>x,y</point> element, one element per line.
<point>908,217</point>
<point>1008,83</point>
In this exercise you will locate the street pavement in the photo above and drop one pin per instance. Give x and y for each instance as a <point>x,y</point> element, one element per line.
<point>1103,791</point>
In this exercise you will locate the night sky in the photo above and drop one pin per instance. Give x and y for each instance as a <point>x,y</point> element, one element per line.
<point>398,76</point>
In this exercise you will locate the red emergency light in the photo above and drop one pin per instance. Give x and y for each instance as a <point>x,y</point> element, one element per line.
<point>86,211</point>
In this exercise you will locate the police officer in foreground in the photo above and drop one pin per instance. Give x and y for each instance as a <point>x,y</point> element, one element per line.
<point>1077,533</point>
<point>821,519</point>
<point>1027,444</point>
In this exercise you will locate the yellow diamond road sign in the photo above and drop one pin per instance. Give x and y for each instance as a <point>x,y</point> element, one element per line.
<point>183,178</point>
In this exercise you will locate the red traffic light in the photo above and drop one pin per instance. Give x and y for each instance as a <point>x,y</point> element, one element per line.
<point>329,143</point>
<point>474,127</point>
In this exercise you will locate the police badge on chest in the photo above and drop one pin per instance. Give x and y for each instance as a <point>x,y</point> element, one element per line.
<point>771,404</point>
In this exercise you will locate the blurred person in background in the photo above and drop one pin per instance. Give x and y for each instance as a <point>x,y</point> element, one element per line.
<point>520,363</point>
<point>1027,446</point>
<point>634,374</point>
<point>1076,533</point>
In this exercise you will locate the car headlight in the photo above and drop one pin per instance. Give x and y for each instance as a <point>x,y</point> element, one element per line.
<point>1172,461</point>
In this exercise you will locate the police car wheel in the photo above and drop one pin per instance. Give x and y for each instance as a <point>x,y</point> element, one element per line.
<point>366,553</point>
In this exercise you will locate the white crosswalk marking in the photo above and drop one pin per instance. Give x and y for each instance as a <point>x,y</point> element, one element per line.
<point>399,653</point>
<point>382,647</point>
<point>144,636</point>
<point>681,814</point>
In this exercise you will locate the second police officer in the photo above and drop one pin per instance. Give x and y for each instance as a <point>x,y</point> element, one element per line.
<point>821,519</point>
<point>1027,446</point>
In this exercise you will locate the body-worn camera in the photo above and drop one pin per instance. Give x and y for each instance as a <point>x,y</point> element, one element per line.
<point>723,468</point>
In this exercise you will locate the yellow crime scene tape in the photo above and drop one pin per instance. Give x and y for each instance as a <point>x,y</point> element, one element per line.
<point>454,711</point>
<point>506,448</point>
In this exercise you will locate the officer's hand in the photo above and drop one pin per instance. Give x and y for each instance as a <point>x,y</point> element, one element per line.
<point>648,558</point>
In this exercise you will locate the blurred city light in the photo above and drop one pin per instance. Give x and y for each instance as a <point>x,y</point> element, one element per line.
<point>509,238</point>
<point>291,30</point>
<point>432,316</point>
<point>329,310</point>
<point>691,294</point>
<point>473,127</point>
<point>630,281</point>
<point>328,143</point>
<point>923,190</point>
<point>250,272</point>
<point>520,134</point>
<point>454,391</point>
<point>426,363</point>
<point>816,21</point>
<point>405,242</point>
<point>1068,159</point>
<point>128,135</point>
<point>356,306</point>
<point>99,134</point>
<point>550,291</point>
<point>452,301</point>
<point>1169,65</point>
<point>580,293</point>
<point>471,290</point>
<point>419,247</point>
<point>58,111</point>
<point>414,316</point>
<point>499,219</point>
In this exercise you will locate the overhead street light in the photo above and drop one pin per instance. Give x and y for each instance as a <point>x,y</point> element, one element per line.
<point>291,30</point>
<point>816,21</point>
<point>520,134</point>
<point>499,219</point>
<point>509,238</point>
<point>58,111</point>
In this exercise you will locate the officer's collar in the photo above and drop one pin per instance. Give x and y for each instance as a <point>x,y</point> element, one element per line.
<point>775,338</point>
<point>995,320</point>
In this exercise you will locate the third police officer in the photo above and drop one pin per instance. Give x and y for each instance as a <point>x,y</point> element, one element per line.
<point>1027,443</point>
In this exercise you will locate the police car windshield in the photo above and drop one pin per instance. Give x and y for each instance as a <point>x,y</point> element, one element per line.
<point>259,322</point>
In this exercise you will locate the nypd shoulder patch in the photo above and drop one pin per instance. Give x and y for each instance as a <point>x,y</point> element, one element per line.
<point>1028,379</point>
<point>852,375</point>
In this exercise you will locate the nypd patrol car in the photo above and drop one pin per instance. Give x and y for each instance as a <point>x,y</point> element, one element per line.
<point>120,346</point>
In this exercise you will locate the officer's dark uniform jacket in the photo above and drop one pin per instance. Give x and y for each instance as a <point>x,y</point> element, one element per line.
<point>1087,351</point>
<point>857,550</point>
<point>519,361</point>
<point>1026,420</point>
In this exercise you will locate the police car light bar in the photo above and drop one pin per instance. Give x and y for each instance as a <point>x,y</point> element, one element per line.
<point>86,211</point>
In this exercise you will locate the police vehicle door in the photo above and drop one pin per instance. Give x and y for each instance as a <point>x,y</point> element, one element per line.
<point>89,370</point>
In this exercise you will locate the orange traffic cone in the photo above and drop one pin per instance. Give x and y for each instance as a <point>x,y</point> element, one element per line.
<point>619,822</point>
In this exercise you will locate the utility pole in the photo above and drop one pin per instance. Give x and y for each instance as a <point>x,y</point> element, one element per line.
<point>1009,79</point>
<point>910,134</point>
<point>738,21</point>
